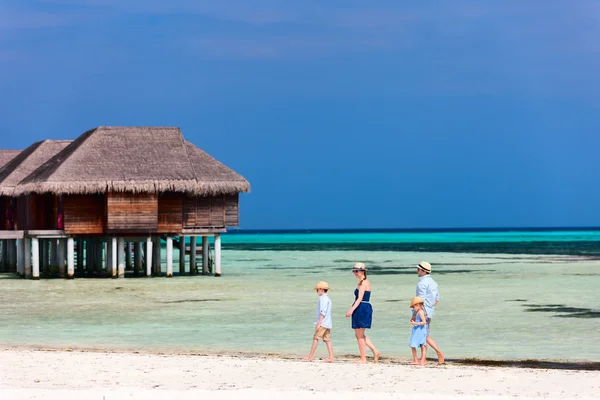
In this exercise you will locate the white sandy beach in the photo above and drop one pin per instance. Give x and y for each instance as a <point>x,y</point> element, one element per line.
<point>60,374</point>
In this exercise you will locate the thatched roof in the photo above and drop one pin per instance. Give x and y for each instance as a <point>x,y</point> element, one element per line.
<point>27,161</point>
<point>133,159</point>
<point>7,155</point>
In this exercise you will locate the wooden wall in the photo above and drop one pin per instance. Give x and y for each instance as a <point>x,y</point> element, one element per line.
<point>210,212</point>
<point>170,212</point>
<point>43,212</point>
<point>131,212</point>
<point>84,214</point>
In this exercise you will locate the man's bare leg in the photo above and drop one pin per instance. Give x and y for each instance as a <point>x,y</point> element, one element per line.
<point>434,346</point>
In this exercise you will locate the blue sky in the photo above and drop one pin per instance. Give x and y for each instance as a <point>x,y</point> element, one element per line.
<point>341,114</point>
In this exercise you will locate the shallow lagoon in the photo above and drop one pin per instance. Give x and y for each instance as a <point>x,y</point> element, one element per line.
<point>492,306</point>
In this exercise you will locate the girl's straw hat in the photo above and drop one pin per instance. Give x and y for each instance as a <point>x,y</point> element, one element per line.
<point>359,267</point>
<point>322,285</point>
<point>416,300</point>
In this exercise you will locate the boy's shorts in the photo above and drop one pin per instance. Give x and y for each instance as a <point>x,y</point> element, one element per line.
<point>323,333</point>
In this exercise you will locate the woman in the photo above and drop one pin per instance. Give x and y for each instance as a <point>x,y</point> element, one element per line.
<point>362,313</point>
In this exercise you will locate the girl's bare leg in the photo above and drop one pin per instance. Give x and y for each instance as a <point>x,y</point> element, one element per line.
<point>371,346</point>
<point>423,355</point>
<point>415,359</point>
<point>362,346</point>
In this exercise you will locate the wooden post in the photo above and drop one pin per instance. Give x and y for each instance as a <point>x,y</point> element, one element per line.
<point>205,254</point>
<point>149,256</point>
<point>89,255</point>
<point>3,255</point>
<point>111,258</point>
<point>12,255</point>
<point>137,258</point>
<point>35,253</point>
<point>193,247</point>
<point>128,256</point>
<point>99,256</point>
<point>27,256</point>
<point>217,255</point>
<point>169,256</point>
<point>20,256</point>
<point>70,258</point>
<point>181,255</point>
<point>60,257</point>
<point>156,258</point>
<point>80,255</point>
<point>44,254</point>
<point>120,261</point>
<point>53,255</point>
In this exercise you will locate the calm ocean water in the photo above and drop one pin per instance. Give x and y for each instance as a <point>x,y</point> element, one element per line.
<point>504,295</point>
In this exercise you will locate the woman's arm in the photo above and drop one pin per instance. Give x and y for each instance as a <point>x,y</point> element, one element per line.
<point>361,293</point>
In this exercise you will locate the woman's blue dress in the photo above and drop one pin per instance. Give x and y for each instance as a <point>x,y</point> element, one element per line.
<point>419,334</point>
<point>363,314</point>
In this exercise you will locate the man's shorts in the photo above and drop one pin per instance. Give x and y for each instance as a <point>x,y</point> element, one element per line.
<point>323,334</point>
<point>428,323</point>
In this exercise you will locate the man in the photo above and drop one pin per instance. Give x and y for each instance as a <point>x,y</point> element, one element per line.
<point>428,290</point>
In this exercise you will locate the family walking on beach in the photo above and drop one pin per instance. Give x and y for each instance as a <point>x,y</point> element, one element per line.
<point>423,306</point>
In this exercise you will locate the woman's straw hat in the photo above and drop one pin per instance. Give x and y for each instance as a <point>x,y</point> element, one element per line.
<point>359,267</point>
<point>322,285</point>
<point>425,266</point>
<point>416,300</point>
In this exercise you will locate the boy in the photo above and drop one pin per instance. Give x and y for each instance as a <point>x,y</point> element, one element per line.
<point>323,324</point>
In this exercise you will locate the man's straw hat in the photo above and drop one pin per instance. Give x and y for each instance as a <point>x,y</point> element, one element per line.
<point>425,266</point>
<point>359,267</point>
<point>322,285</point>
<point>416,300</point>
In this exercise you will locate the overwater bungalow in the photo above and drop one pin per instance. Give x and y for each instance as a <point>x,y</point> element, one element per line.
<point>134,185</point>
<point>15,213</point>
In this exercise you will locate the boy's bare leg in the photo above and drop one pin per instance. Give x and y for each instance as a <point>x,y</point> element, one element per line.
<point>330,351</point>
<point>370,345</point>
<point>312,350</point>
<point>415,359</point>
<point>434,346</point>
<point>423,355</point>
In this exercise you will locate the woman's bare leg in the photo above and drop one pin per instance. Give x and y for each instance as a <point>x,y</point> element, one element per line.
<point>362,346</point>
<point>371,346</point>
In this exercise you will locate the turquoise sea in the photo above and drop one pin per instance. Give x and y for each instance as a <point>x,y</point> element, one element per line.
<point>505,294</point>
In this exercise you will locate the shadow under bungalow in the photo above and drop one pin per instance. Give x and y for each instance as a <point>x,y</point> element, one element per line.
<point>102,204</point>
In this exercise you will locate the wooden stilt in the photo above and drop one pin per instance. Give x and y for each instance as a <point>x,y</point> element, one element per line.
<point>60,257</point>
<point>205,254</point>
<point>128,256</point>
<point>35,254</point>
<point>156,258</point>
<point>111,257</point>
<point>181,255</point>
<point>148,256</point>
<point>80,255</point>
<point>89,255</point>
<point>20,256</point>
<point>120,258</point>
<point>217,255</point>
<point>98,256</point>
<point>44,254</point>
<point>193,249</point>
<point>4,255</point>
<point>70,258</point>
<point>27,257</point>
<point>169,256</point>
<point>137,258</point>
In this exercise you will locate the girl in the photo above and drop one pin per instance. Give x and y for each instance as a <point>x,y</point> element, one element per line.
<point>419,331</point>
<point>362,313</point>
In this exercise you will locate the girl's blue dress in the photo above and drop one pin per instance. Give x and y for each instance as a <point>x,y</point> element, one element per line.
<point>419,334</point>
<point>363,314</point>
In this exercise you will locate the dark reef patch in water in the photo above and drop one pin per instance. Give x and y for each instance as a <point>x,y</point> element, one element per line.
<point>537,364</point>
<point>192,301</point>
<point>561,309</point>
<point>517,300</point>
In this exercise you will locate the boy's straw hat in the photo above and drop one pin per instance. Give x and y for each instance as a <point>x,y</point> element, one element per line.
<point>359,267</point>
<point>425,266</point>
<point>416,300</point>
<point>322,285</point>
